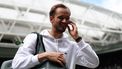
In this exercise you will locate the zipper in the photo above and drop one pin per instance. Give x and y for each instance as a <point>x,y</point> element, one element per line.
<point>57,47</point>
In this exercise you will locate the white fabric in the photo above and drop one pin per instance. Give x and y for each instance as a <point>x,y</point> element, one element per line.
<point>75,53</point>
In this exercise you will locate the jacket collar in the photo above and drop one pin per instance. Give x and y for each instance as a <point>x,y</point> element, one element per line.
<point>46,33</point>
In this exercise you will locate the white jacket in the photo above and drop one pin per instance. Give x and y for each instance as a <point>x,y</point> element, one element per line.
<point>79,53</point>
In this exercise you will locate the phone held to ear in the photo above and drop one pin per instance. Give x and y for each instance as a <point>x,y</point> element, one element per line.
<point>70,26</point>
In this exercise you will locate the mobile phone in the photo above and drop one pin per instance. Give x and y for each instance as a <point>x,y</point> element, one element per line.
<point>70,26</point>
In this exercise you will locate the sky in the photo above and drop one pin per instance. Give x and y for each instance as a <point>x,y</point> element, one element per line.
<point>114,5</point>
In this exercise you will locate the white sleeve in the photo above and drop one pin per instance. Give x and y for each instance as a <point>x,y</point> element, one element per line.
<point>24,58</point>
<point>86,56</point>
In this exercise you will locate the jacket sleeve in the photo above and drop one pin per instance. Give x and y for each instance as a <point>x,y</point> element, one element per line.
<point>24,58</point>
<point>86,56</point>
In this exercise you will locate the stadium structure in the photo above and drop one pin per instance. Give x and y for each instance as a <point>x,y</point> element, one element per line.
<point>100,27</point>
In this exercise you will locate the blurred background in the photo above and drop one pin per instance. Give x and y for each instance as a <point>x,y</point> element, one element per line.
<point>99,23</point>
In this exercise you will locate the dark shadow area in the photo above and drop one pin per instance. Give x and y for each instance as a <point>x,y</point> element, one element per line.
<point>112,60</point>
<point>3,59</point>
